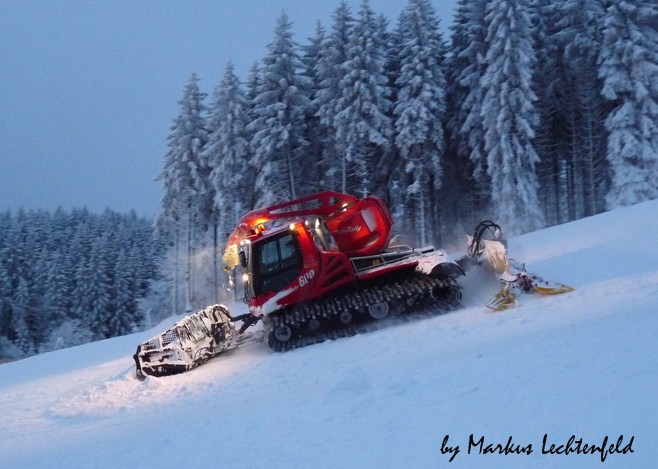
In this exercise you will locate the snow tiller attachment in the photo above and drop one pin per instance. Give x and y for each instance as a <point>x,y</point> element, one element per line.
<point>188,343</point>
<point>487,247</point>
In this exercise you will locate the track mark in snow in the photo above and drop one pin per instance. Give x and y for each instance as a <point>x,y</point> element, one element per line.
<point>121,393</point>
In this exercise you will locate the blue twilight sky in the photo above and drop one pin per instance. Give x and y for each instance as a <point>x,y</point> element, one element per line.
<point>89,88</point>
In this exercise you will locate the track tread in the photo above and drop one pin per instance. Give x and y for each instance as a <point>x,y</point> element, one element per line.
<point>409,297</point>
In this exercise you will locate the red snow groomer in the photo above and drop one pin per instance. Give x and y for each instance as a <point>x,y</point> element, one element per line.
<point>317,268</point>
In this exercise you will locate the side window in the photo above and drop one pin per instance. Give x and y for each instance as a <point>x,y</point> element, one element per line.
<point>269,257</point>
<point>288,251</point>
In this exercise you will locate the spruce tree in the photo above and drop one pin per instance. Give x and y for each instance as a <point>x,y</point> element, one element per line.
<point>278,142</point>
<point>571,135</point>
<point>227,153</point>
<point>510,116</point>
<point>315,134</point>
<point>185,180</point>
<point>21,311</point>
<point>628,66</point>
<point>362,123</point>
<point>582,28</point>
<point>227,150</point>
<point>551,83</point>
<point>419,111</point>
<point>97,293</point>
<point>468,188</point>
<point>329,71</point>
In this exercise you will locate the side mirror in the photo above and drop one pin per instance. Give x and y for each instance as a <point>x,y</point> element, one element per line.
<point>243,259</point>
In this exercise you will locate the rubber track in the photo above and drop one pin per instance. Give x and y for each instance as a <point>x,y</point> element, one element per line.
<point>410,297</point>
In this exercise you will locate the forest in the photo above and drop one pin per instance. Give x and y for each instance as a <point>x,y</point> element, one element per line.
<point>529,112</point>
<point>68,278</point>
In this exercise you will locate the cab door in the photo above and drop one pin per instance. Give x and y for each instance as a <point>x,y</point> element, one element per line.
<point>276,263</point>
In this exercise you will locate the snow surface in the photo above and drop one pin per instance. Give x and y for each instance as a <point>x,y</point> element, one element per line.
<point>583,364</point>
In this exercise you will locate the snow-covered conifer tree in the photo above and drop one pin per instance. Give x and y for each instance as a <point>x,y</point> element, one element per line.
<point>510,116</point>
<point>582,28</point>
<point>466,66</point>
<point>182,174</point>
<point>96,293</point>
<point>628,66</point>
<point>185,176</point>
<point>253,82</point>
<point>329,71</point>
<point>419,111</point>
<point>252,85</point>
<point>123,311</point>
<point>362,124</point>
<point>571,136</point>
<point>227,150</point>
<point>56,301</point>
<point>5,301</point>
<point>227,153</point>
<point>5,278</point>
<point>551,136</point>
<point>20,317</point>
<point>278,129</point>
<point>316,135</point>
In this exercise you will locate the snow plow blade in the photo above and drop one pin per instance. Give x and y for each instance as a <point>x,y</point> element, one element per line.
<point>189,343</point>
<point>552,288</point>
<point>523,282</point>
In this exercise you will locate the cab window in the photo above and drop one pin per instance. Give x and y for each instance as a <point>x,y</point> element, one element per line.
<point>278,262</point>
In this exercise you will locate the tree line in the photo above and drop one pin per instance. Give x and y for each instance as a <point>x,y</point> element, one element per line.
<point>68,278</point>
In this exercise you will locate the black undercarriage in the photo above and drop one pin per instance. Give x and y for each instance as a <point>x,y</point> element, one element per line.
<point>354,309</point>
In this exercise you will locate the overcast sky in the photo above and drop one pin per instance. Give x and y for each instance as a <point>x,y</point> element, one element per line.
<point>89,89</point>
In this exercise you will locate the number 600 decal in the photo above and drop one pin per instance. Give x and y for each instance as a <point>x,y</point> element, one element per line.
<point>304,279</point>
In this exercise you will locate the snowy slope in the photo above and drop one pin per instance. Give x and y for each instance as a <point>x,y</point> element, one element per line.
<point>582,364</point>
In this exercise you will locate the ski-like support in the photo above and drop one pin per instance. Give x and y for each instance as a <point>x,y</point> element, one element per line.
<point>516,281</point>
